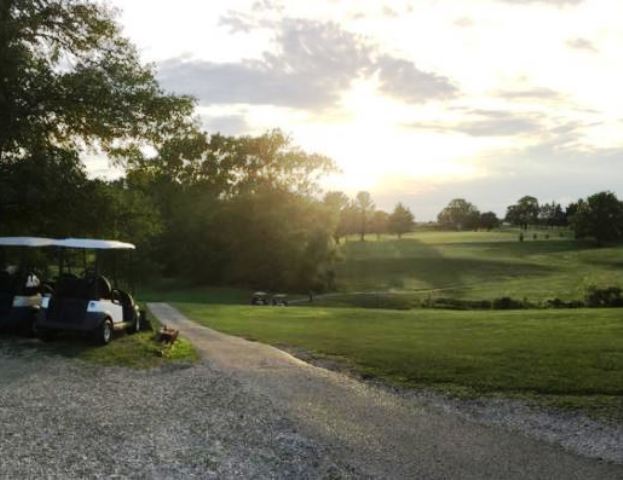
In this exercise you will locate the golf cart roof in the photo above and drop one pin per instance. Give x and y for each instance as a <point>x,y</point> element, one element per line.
<point>26,242</point>
<point>92,243</point>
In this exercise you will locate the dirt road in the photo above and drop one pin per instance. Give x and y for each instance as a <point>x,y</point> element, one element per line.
<point>382,434</point>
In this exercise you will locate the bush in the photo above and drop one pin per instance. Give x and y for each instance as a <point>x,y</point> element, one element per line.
<point>457,304</point>
<point>558,303</point>
<point>603,297</point>
<point>508,303</point>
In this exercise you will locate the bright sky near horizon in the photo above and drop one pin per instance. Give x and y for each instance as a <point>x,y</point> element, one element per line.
<point>419,101</point>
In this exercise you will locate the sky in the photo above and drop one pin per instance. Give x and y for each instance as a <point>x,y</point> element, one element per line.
<point>418,101</point>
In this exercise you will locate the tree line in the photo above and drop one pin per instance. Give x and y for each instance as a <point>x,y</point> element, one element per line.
<point>359,216</point>
<point>599,216</point>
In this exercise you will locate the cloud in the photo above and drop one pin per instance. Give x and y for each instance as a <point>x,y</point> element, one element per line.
<point>402,79</point>
<point>389,11</point>
<point>534,94</point>
<point>489,123</point>
<point>558,3</point>
<point>464,22</point>
<point>313,64</point>
<point>580,43</point>
<point>225,124</point>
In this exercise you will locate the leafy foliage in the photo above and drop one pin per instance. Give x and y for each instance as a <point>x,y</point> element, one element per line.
<point>600,216</point>
<point>459,215</point>
<point>71,80</point>
<point>401,220</point>
<point>525,212</point>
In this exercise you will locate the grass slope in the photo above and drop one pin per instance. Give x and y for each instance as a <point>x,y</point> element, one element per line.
<point>571,358</point>
<point>478,265</point>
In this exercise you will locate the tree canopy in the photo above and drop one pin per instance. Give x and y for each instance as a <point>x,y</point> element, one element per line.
<point>70,80</point>
<point>458,215</point>
<point>401,220</point>
<point>600,216</point>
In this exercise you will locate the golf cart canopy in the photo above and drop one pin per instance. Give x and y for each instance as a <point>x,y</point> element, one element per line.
<point>90,243</point>
<point>26,242</point>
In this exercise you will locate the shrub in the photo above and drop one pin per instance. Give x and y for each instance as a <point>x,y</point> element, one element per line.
<point>558,303</point>
<point>457,304</point>
<point>603,297</point>
<point>521,236</point>
<point>508,303</point>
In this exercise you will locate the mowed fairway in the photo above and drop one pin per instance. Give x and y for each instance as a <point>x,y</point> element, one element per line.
<point>478,265</point>
<point>565,357</point>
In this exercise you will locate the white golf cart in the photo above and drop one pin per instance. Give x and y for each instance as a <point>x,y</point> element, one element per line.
<point>22,291</point>
<point>89,303</point>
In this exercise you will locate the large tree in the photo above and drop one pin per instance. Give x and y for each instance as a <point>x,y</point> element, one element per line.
<point>336,203</point>
<point>525,212</point>
<point>458,215</point>
<point>488,221</point>
<point>401,220</point>
<point>600,217</point>
<point>71,80</point>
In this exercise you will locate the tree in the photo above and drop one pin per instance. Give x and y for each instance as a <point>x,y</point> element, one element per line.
<point>401,220</point>
<point>459,215</point>
<point>488,221</point>
<point>365,208</point>
<point>379,223</point>
<point>336,203</point>
<point>69,80</point>
<point>600,216</point>
<point>552,215</point>
<point>525,212</point>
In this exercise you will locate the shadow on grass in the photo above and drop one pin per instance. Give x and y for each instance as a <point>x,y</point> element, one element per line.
<point>410,264</point>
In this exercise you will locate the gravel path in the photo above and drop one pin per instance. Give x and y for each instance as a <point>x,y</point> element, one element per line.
<point>377,432</point>
<point>66,419</point>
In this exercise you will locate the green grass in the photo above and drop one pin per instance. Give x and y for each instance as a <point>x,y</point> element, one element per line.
<point>566,358</point>
<point>140,350</point>
<point>477,265</point>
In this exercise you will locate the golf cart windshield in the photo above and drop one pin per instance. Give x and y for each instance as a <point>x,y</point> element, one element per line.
<point>15,272</point>
<point>87,264</point>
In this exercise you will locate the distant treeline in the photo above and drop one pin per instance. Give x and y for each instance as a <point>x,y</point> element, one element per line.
<point>600,216</point>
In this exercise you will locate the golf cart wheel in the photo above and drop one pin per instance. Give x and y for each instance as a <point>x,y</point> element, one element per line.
<point>103,333</point>
<point>135,327</point>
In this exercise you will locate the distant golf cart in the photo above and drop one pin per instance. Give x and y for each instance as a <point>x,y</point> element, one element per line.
<point>259,298</point>
<point>22,291</point>
<point>280,300</point>
<point>89,303</point>
<point>263,298</point>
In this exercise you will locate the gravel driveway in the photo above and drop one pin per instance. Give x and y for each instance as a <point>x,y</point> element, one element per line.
<point>377,432</point>
<point>66,419</point>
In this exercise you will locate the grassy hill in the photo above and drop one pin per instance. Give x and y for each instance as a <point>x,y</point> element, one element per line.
<point>478,265</point>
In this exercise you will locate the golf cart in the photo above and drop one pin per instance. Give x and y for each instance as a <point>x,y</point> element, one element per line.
<point>89,303</point>
<point>280,300</point>
<point>21,289</point>
<point>259,298</point>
